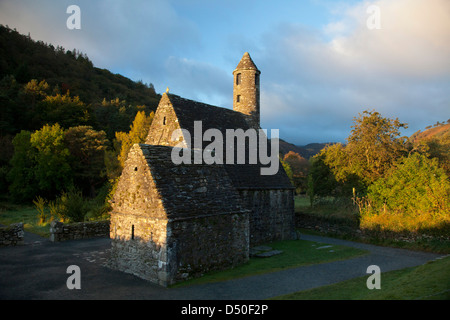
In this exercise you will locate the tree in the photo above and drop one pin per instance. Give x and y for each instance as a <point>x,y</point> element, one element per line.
<point>416,184</point>
<point>87,151</point>
<point>137,134</point>
<point>321,180</point>
<point>287,168</point>
<point>64,110</point>
<point>299,167</point>
<point>53,172</point>
<point>374,145</point>
<point>36,90</point>
<point>23,184</point>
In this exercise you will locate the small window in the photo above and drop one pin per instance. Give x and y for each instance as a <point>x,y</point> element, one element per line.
<point>164,121</point>
<point>132,232</point>
<point>238,98</point>
<point>238,79</point>
<point>135,168</point>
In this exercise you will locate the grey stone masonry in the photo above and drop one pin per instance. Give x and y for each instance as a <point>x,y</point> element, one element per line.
<point>11,235</point>
<point>173,222</point>
<point>80,230</point>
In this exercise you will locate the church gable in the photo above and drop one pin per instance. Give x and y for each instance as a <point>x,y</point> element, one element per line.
<point>136,191</point>
<point>164,124</point>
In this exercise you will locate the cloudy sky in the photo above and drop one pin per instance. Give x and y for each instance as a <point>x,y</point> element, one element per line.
<point>322,61</point>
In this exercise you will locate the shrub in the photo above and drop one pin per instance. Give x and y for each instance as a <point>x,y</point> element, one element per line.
<point>70,206</point>
<point>414,196</point>
<point>39,203</point>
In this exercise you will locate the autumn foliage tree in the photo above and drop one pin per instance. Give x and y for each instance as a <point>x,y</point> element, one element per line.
<point>137,134</point>
<point>299,167</point>
<point>372,148</point>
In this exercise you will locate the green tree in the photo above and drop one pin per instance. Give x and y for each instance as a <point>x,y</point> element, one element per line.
<point>53,171</point>
<point>415,185</point>
<point>87,152</point>
<point>321,180</point>
<point>23,184</point>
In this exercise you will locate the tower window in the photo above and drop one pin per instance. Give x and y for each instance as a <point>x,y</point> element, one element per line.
<point>238,98</point>
<point>164,121</point>
<point>132,232</point>
<point>238,79</point>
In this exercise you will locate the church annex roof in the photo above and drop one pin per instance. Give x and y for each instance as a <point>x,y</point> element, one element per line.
<point>190,190</point>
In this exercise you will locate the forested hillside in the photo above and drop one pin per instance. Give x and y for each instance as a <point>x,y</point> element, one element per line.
<point>64,122</point>
<point>102,99</point>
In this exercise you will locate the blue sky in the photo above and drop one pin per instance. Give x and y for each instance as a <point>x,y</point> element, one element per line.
<point>321,65</point>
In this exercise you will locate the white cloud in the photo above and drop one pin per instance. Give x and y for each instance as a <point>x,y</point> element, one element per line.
<point>400,70</point>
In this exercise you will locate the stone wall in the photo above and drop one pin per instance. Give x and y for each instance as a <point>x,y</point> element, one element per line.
<point>80,230</point>
<point>168,251</point>
<point>139,246</point>
<point>214,242</point>
<point>272,216</point>
<point>11,235</point>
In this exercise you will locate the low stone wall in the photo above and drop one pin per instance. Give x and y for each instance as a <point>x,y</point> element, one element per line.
<point>80,230</point>
<point>11,235</point>
<point>325,225</point>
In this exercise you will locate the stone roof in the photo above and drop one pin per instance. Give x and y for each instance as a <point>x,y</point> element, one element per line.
<point>190,190</point>
<point>246,63</point>
<point>243,176</point>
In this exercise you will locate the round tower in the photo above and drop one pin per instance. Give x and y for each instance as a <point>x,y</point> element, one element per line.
<point>246,90</point>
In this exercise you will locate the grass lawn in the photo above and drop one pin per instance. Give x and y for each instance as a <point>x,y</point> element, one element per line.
<point>430,281</point>
<point>295,253</point>
<point>11,213</point>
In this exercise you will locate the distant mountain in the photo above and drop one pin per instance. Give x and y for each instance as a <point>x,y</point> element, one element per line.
<point>306,151</point>
<point>439,131</point>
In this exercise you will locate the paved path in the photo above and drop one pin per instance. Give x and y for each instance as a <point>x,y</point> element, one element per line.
<point>37,270</point>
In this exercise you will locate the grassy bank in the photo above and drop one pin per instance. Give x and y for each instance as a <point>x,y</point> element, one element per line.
<point>14,213</point>
<point>430,281</point>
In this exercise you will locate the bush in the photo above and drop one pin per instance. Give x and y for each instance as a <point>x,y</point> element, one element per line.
<point>70,206</point>
<point>39,203</point>
<point>414,196</point>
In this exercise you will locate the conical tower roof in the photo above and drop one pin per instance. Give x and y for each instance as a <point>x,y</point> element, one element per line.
<point>246,63</point>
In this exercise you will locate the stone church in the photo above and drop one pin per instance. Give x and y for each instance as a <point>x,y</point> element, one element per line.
<point>171,222</point>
